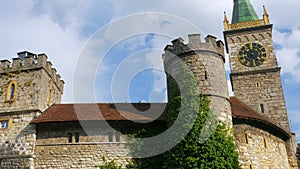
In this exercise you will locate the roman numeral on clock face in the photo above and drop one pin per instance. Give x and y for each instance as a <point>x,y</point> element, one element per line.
<point>252,54</point>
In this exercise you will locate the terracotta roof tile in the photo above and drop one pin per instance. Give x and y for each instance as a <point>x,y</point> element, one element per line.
<point>89,112</point>
<point>240,109</point>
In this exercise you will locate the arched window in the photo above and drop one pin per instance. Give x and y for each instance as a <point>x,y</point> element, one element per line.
<point>11,91</point>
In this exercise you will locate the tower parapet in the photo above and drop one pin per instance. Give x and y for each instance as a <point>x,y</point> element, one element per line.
<point>30,62</point>
<point>195,45</point>
<point>206,61</point>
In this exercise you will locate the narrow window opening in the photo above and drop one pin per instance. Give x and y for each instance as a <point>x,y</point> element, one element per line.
<point>76,137</point>
<point>50,93</point>
<point>110,137</point>
<point>262,108</point>
<point>265,143</point>
<point>257,85</point>
<point>205,75</point>
<point>250,166</point>
<point>12,92</point>
<point>70,137</point>
<point>246,138</point>
<point>117,137</point>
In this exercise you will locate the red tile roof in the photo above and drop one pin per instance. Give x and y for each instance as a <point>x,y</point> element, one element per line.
<point>240,109</point>
<point>243,111</point>
<point>125,111</point>
<point>89,112</point>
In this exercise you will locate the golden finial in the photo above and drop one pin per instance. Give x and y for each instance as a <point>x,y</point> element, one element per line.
<point>266,16</point>
<point>226,23</point>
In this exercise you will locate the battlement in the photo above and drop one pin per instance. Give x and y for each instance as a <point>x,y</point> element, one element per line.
<point>195,45</point>
<point>28,61</point>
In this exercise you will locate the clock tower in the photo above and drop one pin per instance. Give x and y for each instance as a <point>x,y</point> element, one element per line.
<point>255,74</point>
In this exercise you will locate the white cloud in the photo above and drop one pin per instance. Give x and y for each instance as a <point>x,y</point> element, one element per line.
<point>289,53</point>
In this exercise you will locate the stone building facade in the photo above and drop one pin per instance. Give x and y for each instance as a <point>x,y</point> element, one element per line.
<point>28,86</point>
<point>37,131</point>
<point>255,75</point>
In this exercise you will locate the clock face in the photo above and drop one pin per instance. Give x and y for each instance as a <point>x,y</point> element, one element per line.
<point>252,54</point>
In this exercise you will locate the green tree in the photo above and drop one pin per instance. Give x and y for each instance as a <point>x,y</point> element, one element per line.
<point>216,152</point>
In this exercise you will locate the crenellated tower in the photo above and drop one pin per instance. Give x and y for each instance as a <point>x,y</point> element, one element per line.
<point>206,61</point>
<point>29,85</point>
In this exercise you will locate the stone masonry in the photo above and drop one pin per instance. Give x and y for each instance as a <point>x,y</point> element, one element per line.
<point>260,149</point>
<point>206,61</point>
<point>27,88</point>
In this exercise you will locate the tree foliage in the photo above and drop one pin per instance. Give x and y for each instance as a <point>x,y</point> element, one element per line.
<point>216,152</point>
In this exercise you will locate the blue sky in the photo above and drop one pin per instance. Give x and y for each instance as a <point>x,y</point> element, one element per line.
<point>65,29</point>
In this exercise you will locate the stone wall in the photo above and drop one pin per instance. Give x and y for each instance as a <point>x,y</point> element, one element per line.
<point>27,88</point>
<point>81,155</point>
<point>263,88</point>
<point>34,89</point>
<point>259,148</point>
<point>206,62</point>
<point>55,150</point>
<point>17,142</point>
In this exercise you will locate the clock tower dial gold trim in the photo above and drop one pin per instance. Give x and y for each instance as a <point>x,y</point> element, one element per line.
<point>252,54</point>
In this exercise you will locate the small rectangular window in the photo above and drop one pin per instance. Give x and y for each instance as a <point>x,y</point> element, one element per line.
<point>110,137</point>
<point>250,166</point>
<point>117,137</point>
<point>76,137</point>
<point>70,136</point>
<point>262,108</point>
<point>265,143</point>
<point>4,124</point>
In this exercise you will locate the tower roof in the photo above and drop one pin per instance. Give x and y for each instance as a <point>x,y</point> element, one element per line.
<point>243,11</point>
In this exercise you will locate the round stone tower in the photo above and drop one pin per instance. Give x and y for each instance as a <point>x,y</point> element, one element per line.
<point>206,61</point>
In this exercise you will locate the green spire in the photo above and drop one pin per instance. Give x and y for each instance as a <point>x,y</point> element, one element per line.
<point>243,11</point>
